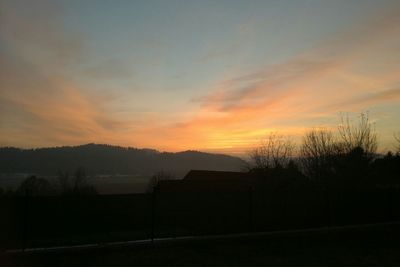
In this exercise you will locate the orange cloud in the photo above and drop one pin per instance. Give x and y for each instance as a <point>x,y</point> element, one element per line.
<point>338,76</point>
<point>41,105</point>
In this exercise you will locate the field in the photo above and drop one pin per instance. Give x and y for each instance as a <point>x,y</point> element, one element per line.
<point>371,245</point>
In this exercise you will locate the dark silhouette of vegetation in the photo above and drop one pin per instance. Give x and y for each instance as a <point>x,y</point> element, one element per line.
<point>76,184</point>
<point>361,136</point>
<point>318,154</point>
<point>6,192</point>
<point>343,156</point>
<point>275,151</point>
<point>335,179</point>
<point>273,165</point>
<point>35,186</point>
<point>397,138</point>
<point>66,184</point>
<point>156,178</point>
<point>385,171</point>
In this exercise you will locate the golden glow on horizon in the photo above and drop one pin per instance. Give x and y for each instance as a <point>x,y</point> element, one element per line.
<point>355,71</point>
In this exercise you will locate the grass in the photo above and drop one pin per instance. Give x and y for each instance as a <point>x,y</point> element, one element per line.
<point>364,246</point>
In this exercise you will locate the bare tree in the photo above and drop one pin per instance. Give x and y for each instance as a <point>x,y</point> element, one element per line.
<point>397,138</point>
<point>76,184</point>
<point>79,182</point>
<point>319,143</point>
<point>345,152</point>
<point>274,152</point>
<point>63,182</point>
<point>318,152</point>
<point>35,186</point>
<point>159,176</point>
<point>361,135</point>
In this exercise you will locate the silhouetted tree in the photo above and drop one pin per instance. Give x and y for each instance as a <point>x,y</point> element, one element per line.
<point>397,138</point>
<point>385,171</point>
<point>361,136</point>
<point>319,152</point>
<point>343,155</point>
<point>63,181</point>
<point>275,151</point>
<point>7,192</point>
<point>76,184</point>
<point>159,176</point>
<point>273,164</point>
<point>360,144</point>
<point>34,186</point>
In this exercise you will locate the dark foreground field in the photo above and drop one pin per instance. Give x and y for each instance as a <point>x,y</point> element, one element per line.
<point>377,245</point>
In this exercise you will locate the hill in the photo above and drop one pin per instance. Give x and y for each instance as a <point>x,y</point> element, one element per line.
<point>107,159</point>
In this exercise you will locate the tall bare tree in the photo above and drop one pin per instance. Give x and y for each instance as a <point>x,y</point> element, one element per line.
<point>345,152</point>
<point>397,138</point>
<point>319,150</point>
<point>360,135</point>
<point>275,151</point>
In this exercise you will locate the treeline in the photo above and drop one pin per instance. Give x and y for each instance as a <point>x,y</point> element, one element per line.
<point>345,156</point>
<point>65,184</point>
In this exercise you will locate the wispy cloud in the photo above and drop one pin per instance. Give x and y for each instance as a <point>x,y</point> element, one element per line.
<point>41,102</point>
<point>349,72</point>
<point>374,98</point>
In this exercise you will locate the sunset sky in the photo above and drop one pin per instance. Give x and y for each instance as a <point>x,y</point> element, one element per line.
<point>214,76</point>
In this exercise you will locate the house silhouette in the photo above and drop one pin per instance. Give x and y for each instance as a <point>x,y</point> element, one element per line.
<point>205,180</point>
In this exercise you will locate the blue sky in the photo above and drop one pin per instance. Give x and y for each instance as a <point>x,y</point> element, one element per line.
<point>207,75</point>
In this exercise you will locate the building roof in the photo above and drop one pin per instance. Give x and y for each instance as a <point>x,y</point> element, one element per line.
<point>216,176</point>
<point>208,180</point>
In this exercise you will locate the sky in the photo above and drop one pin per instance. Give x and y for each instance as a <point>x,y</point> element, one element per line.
<point>214,76</point>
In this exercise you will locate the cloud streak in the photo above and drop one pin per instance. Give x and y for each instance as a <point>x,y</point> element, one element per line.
<point>340,75</point>
<point>42,103</point>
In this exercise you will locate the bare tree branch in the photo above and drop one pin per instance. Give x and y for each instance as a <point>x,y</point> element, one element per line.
<point>275,151</point>
<point>397,138</point>
<point>361,135</point>
<point>319,149</point>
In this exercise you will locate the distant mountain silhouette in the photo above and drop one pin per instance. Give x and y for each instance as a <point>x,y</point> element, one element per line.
<point>108,159</point>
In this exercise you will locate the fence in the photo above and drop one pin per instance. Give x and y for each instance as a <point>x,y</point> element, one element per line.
<point>59,221</point>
